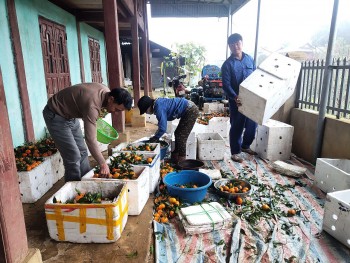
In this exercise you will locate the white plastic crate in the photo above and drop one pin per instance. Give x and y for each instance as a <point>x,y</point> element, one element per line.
<point>154,170</point>
<point>220,125</point>
<point>35,183</point>
<point>121,146</point>
<point>268,87</point>
<point>211,146</point>
<point>336,217</point>
<point>191,145</point>
<point>138,189</point>
<point>274,140</point>
<point>57,167</point>
<point>213,107</point>
<point>332,174</point>
<point>88,223</point>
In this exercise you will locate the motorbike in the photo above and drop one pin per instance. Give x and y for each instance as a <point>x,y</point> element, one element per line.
<point>179,88</point>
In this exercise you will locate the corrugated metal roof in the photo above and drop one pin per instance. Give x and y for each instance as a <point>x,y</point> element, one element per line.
<point>195,8</point>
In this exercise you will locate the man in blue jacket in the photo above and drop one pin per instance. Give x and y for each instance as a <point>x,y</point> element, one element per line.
<point>234,70</point>
<point>166,110</point>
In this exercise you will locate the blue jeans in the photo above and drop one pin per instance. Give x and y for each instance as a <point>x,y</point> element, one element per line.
<point>239,122</point>
<point>70,142</point>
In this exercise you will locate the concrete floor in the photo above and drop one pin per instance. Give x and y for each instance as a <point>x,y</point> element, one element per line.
<point>135,244</point>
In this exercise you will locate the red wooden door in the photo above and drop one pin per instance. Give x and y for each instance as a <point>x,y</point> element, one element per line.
<point>95,60</point>
<point>54,47</point>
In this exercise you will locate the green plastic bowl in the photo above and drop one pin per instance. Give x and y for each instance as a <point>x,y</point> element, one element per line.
<point>105,132</point>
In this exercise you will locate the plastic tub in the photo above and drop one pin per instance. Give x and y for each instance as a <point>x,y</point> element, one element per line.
<point>105,132</point>
<point>188,195</point>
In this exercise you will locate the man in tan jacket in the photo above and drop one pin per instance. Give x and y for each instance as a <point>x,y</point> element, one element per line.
<point>85,101</point>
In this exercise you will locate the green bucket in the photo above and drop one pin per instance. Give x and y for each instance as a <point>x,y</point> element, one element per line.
<point>105,132</point>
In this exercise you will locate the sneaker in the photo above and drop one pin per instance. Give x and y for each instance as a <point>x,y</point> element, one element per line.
<point>236,158</point>
<point>249,151</point>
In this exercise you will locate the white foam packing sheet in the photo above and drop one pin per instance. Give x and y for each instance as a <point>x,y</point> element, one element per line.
<point>214,174</point>
<point>205,214</point>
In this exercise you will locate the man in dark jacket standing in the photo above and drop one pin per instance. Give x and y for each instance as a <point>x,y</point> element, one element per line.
<point>234,70</point>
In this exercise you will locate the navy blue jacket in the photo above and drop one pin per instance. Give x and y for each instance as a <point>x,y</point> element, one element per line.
<point>167,110</point>
<point>233,72</point>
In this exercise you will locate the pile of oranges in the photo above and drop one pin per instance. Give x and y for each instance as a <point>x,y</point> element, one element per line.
<point>131,158</point>
<point>31,154</point>
<point>117,171</point>
<point>205,119</point>
<point>166,168</point>
<point>165,208</point>
<point>141,147</point>
<point>233,188</point>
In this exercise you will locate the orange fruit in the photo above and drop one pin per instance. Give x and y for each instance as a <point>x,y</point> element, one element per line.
<point>239,200</point>
<point>265,207</point>
<point>164,220</point>
<point>149,160</point>
<point>291,212</point>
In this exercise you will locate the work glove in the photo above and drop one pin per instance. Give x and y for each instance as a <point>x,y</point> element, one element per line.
<point>154,140</point>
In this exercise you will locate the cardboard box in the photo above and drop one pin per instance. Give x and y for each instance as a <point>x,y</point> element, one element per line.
<point>88,223</point>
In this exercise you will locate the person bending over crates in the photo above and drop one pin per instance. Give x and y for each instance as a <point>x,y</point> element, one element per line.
<point>166,110</point>
<point>85,101</point>
<point>234,70</point>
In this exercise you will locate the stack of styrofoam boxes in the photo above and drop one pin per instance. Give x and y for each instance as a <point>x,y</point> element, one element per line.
<point>154,168</point>
<point>57,167</point>
<point>332,174</point>
<point>191,145</point>
<point>88,223</point>
<point>336,217</point>
<point>220,125</point>
<point>268,87</point>
<point>35,183</point>
<point>274,140</point>
<point>138,189</point>
<point>213,107</point>
<point>211,146</point>
<point>333,177</point>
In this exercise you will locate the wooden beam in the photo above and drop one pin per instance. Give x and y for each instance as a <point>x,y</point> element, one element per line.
<point>129,5</point>
<point>81,59</point>
<point>90,16</point>
<point>20,72</point>
<point>12,226</point>
<point>114,58</point>
<point>145,57</point>
<point>135,57</point>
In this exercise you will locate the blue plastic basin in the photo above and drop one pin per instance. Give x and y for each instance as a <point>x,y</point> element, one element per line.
<point>187,195</point>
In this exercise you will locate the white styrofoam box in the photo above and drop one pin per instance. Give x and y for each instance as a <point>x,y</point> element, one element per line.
<point>220,125</point>
<point>138,190</point>
<point>213,107</point>
<point>191,145</point>
<point>154,169</point>
<point>199,128</point>
<point>57,167</point>
<point>211,146</point>
<point>273,140</point>
<point>336,217</point>
<point>121,146</point>
<point>268,87</point>
<point>35,183</point>
<point>151,118</point>
<point>88,223</point>
<point>332,174</point>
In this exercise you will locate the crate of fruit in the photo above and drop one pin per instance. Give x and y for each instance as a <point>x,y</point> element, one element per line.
<point>87,212</point>
<point>34,163</point>
<point>135,177</point>
<point>138,159</point>
<point>139,147</point>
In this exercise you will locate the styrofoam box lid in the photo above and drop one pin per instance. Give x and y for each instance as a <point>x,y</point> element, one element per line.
<point>67,191</point>
<point>339,164</point>
<point>273,123</point>
<point>209,136</point>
